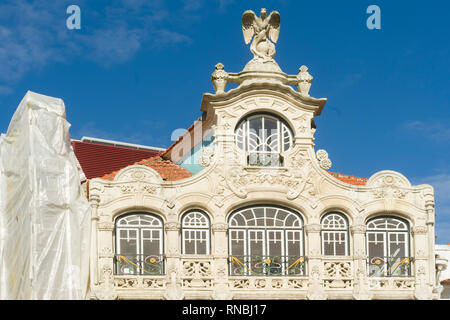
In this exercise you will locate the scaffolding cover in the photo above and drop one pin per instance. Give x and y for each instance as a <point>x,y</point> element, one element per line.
<point>44,214</point>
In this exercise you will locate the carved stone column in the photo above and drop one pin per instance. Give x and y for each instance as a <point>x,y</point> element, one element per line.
<point>105,289</point>
<point>174,290</point>
<point>94,200</point>
<point>315,289</point>
<point>220,265</point>
<point>423,288</point>
<point>361,286</point>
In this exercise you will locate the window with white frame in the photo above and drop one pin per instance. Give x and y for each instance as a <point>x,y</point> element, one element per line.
<point>266,240</point>
<point>264,137</point>
<point>334,235</point>
<point>387,241</point>
<point>139,244</point>
<point>195,233</point>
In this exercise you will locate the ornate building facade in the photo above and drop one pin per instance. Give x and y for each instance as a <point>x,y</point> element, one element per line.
<point>257,215</point>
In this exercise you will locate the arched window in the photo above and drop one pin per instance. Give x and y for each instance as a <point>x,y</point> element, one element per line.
<point>264,137</point>
<point>388,247</point>
<point>266,240</point>
<point>139,244</point>
<point>334,235</point>
<point>195,233</point>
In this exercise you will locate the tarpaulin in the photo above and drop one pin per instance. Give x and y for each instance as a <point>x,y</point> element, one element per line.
<point>44,215</point>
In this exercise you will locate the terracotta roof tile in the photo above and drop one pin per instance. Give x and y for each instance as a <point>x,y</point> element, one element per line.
<point>349,179</point>
<point>168,170</point>
<point>97,159</point>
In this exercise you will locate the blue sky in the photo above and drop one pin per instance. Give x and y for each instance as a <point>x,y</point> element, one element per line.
<point>137,70</point>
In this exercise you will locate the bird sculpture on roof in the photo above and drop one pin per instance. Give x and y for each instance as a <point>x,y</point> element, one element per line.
<point>262,28</point>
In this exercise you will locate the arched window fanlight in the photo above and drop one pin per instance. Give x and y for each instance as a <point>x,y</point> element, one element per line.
<point>139,244</point>
<point>264,137</point>
<point>266,240</point>
<point>195,233</point>
<point>334,235</point>
<point>388,247</point>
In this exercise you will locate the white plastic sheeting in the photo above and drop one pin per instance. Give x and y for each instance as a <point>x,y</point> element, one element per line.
<point>44,215</point>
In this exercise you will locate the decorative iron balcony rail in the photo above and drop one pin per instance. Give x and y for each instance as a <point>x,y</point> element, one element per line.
<point>389,266</point>
<point>265,159</point>
<point>139,264</point>
<point>262,265</point>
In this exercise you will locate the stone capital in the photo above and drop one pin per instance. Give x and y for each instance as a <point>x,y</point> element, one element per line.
<point>313,228</point>
<point>419,230</point>
<point>219,227</point>
<point>358,229</point>
<point>172,226</point>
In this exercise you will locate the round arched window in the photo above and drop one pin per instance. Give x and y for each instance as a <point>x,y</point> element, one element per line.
<point>388,247</point>
<point>266,240</point>
<point>139,244</point>
<point>264,137</point>
<point>334,234</point>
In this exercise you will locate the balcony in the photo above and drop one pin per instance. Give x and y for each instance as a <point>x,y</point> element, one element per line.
<point>139,264</point>
<point>256,265</point>
<point>389,266</point>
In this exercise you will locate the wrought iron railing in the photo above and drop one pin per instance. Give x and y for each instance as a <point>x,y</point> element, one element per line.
<point>257,265</point>
<point>265,159</point>
<point>139,264</point>
<point>389,266</point>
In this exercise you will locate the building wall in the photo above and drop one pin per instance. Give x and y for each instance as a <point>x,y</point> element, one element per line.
<point>443,251</point>
<point>227,183</point>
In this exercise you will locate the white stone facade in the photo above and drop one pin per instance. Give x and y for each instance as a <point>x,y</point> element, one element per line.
<point>228,183</point>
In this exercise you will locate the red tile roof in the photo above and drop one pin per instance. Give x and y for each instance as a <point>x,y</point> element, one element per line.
<point>168,170</point>
<point>349,179</point>
<point>98,159</point>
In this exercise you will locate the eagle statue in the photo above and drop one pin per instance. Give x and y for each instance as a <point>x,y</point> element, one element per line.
<point>263,29</point>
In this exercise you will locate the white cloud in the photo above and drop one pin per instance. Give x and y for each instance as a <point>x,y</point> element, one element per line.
<point>33,34</point>
<point>437,131</point>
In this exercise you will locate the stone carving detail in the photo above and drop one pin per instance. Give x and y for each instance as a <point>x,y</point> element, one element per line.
<point>337,274</point>
<point>219,78</point>
<point>262,28</point>
<point>128,189</point>
<point>304,80</point>
<point>206,156</point>
<point>220,227</point>
<point>375,284</point>
<point>138,173</point>
<point>420,230</point>
<point>322,157</point>
<point>238,180</point>
<point>358,229</point>
<point>388,184</point>
<point>172,226</point>
<point>315,290</point>
<point>105,291</point>
<point>197,274</point>
<point>105,226</point>
<point>140,282</point>
<point>269,283</point>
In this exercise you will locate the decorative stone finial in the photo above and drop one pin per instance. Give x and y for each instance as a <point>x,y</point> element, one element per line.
<point>304,80</point>
<point>263,28</point>
<point>219,78</point>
